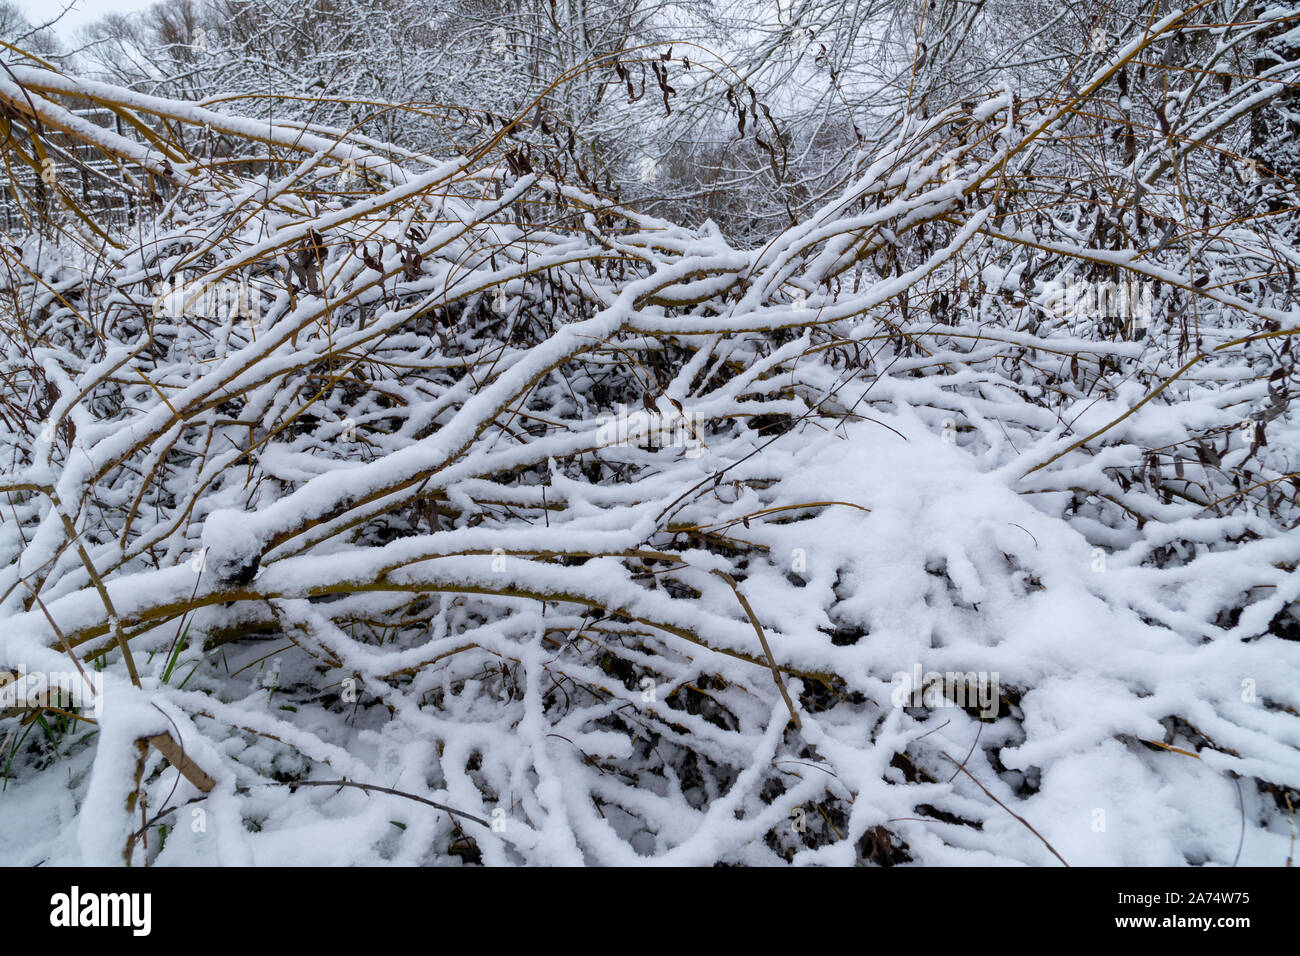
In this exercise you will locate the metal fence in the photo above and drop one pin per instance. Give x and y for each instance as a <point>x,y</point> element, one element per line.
<point>78,170</point>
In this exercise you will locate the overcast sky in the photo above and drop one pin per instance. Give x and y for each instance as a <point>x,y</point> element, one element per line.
<point>82,12</point>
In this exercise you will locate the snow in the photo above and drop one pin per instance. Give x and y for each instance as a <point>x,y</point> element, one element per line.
<point>389,581</point>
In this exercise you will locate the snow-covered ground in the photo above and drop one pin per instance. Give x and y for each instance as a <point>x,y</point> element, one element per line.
<point>441,509</point>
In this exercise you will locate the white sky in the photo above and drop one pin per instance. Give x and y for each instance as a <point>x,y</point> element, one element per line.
<point>82,12</point>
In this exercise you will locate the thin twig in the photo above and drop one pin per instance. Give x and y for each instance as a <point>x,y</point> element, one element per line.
<point>294,784</point>
<point>762,639</point>
<point>1008,809</point>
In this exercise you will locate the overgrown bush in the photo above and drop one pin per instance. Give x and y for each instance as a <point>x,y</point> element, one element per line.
<point>546,529</point>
